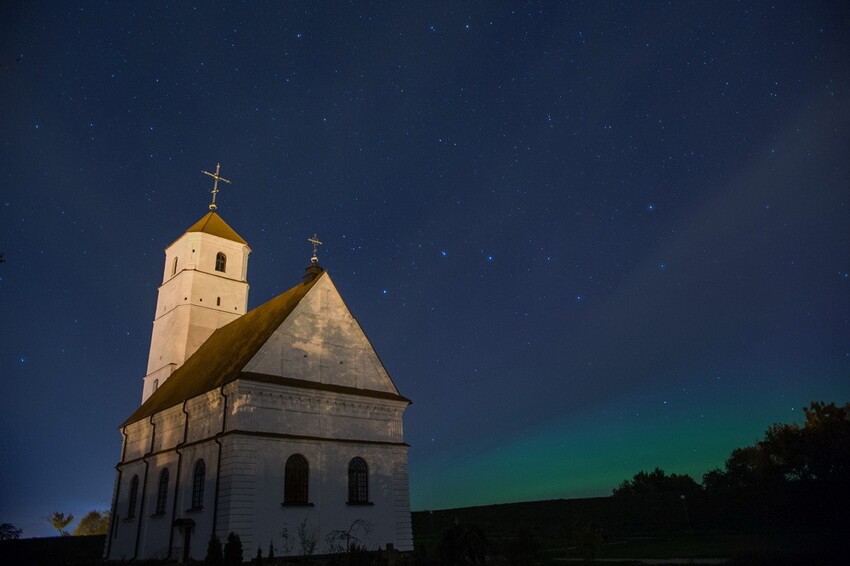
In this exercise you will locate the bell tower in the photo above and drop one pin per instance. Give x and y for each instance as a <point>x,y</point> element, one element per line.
<point>204,286</point>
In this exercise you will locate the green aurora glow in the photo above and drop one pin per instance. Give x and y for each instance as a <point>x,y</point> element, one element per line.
<point>588,454</point>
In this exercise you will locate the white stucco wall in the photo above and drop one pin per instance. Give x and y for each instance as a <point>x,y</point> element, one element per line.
<point>328,429</point>
<point>175,440</point>
<point>266,422</point>
<point>253,491</point>
<point>194,300</point>
<point>321,341</point>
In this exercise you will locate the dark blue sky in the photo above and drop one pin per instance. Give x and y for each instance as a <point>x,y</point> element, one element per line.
<point>586,239</point>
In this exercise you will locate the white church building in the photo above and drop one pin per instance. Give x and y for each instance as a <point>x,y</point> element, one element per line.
<point>259,421</point>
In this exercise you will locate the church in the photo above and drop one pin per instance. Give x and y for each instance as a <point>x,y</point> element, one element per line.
<point>279,424</point>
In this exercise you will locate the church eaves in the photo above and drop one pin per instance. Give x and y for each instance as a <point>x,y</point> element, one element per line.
<point>215,225</point>
<point>222,358</point>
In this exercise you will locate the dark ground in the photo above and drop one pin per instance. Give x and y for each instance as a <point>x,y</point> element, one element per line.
<point>783,525</point>
<point>787,524</point>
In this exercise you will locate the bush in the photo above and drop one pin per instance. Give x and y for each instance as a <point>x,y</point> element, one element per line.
<point>463,544</point>
<point>233,550</point>
<point>214,556</point>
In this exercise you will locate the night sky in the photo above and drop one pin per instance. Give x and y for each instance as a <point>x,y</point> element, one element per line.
<point>585,239</point>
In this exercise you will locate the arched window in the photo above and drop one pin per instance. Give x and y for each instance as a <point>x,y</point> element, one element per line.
<point>155,384</point>
<point>218,301</point>
<point>174,267</point>
<point>358,481</point>
<point>220,262</point>
<point>134,497</point>
<point>198,478</point>
<point>295,480</point>
<point>162,492</point>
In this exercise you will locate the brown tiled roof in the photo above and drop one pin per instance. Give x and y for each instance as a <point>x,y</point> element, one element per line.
<point>214,224</point>
<point>221,358</point>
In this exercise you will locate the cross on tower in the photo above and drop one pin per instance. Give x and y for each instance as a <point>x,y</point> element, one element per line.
<point>316,243</point>
<point>215,184</point>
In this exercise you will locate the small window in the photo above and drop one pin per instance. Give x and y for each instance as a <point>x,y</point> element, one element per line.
<point>155,384</point>
<point>198,478</point>
<point>134,497</point>
<point>162,492</point>
<point>174,267</point>
<point>218,301</point>
<point>295,480</point>
<point>220,262</point>
<point>358,481</point>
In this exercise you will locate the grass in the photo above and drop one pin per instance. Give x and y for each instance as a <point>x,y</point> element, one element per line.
<point>785,549</point>
<point>797,525</point>
<point>740,548</point>
<point>711,545</point>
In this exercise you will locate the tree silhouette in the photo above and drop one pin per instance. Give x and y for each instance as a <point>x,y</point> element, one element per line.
<point>233,550</point>
<point>656,481</point>
<point>214,555</point>
<point>817,450</point>
<point>827,438</point>
<point>342,541</point>
<point>8,531</point>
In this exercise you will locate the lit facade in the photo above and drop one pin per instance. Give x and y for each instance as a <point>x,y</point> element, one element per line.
<point>272,418</point>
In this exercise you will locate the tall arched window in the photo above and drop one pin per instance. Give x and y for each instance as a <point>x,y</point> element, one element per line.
<point>220,262</point>
<point>162,492</point>
<point>358,481</point>
<point>295,478</point>
<point>134,497</point>
<point>155,384</point>
<point>198,478</point>
<point>174,267</point>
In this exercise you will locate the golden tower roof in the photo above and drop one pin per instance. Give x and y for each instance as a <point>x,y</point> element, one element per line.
<point>214,224</point>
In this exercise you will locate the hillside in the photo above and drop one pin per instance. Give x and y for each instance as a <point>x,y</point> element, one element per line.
<point>798,519</point>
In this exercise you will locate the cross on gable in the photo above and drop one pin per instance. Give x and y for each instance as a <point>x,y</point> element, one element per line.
<point>316,243</point>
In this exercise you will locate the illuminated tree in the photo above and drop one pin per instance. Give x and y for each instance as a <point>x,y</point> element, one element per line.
<point>59,522</point>
<point>94,523</point>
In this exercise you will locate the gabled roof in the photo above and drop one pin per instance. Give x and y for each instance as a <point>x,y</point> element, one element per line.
<point>214,224</point>
<point>221,358</point>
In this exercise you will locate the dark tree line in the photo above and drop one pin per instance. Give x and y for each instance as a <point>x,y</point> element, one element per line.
<point>816,451</point>
<point>656,481</point>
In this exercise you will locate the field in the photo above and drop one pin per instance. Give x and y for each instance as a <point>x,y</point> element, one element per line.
<point>755,528</point>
